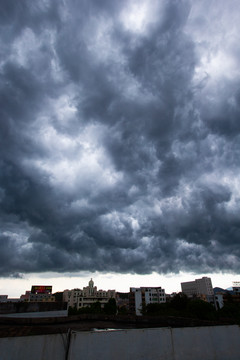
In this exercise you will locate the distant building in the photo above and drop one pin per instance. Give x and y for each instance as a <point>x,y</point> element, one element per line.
<point>122,300</point>
<point>6,299</point>
<point>170,296</point>
<point>41,293</point>
<point>80,298</point>
<point>139,297</point>
<point>198,287</point>
<point>42,298</point>
<point>227,296</point>
<point>236,288</point>
<point>26,296</point>
<point>189,288</point>
<point>219,301</point>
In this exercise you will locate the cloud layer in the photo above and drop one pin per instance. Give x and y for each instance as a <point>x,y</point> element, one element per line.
<point>120,136</point>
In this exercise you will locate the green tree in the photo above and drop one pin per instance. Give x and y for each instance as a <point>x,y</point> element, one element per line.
<point>58,296</point>
<point>96,307</point>
<point>111,307</point>
<point>230,310</point>
<point>179,301</point>
<point>122,310</point>
<point>72,311</point>
<point>200,309</point>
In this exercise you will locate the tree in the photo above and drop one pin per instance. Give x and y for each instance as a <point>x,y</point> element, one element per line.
<point>201,309</point>
<point>96,307</point>
<point>111,307</point>
<point>179,301</point>
<point>58,296</point>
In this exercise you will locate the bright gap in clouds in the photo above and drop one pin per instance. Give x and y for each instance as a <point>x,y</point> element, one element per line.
<point>119,282</point>
<point>138,15</point>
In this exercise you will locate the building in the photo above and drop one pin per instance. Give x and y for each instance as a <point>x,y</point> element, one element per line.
<point>122,301</point>
<point>236,287</point>
<point>26,296</point>
<point>6,299</point>
<point>40,293</point>
<point>223,297</point>
<point>219,301</point>
<point>198,287</point>
<point>3,298</point>
<point>79,298</point>
<point>140,297</point>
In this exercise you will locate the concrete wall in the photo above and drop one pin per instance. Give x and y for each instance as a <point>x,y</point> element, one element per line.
<point>218,343</point>
<point>208,343</point>
<point>43,347</point>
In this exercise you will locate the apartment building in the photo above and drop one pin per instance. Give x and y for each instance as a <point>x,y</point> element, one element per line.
<point>201,288</point>
<point>139,297</point>
<point>198,287</point>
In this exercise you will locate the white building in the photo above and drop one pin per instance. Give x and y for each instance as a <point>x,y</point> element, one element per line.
<point>219,301</point>
<point>79,298</point>
<point>199,288</point>
<point>236,287</point>
<point>142,296</point>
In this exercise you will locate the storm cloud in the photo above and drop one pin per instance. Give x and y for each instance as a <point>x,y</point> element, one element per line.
<point>120,136</point>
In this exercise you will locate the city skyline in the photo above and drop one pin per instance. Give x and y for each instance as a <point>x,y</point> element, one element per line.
<point>120,141</point>
<point>111,281</point>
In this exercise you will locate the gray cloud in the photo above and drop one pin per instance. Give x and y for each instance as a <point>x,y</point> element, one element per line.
<point>119,130</point>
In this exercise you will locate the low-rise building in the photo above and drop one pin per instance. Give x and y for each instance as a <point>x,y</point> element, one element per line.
<point>236,287</point>
<point>3,298</point>
<point>41,298</point>
<point>41,293</point>
<point>140,297</point>
<point>79,298</point>
<point>122,300</point>
<point>26,296</point>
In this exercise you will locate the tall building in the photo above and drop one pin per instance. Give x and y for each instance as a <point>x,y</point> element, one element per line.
<point>79,298</point>
<point>200,288</point>
<point>139,297</point>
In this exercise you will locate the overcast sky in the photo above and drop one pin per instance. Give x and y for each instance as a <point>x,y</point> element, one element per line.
<point>120,136</point>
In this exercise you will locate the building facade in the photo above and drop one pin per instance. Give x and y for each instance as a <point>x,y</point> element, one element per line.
<point>41,293</point>
<point>236,287</point>
<point>3,298</point>
<point>198,287</point>
<point>122,300</point>
<point>79,298</point>
<point>140,297</point>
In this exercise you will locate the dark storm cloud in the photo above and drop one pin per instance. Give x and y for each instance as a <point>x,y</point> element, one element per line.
<point>119,137</point>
